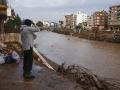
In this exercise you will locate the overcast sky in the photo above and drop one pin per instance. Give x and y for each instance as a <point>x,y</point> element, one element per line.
<point>54,10</point>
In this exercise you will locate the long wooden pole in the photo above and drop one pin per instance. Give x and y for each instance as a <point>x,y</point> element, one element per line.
<point>42,59</point>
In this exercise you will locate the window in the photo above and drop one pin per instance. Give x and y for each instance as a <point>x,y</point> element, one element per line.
<point>115,11</point>
<point>98,20</point>
<point>98,23</point>
<point>98,17</point>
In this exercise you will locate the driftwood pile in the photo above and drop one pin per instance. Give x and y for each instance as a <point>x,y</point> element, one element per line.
<point>85,78</point>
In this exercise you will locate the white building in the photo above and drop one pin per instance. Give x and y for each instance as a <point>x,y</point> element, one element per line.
<point>90,22</point>
<point>64,21</point>
<point>71,20</point>
<point>46,24</point>
<point>81,17</point>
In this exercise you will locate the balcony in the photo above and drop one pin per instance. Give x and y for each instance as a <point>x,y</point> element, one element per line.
<point>3,11</point>
<point>3,7</point>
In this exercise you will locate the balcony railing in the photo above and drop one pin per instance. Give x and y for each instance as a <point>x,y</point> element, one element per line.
<point>3,7</point>
<point>3,11</point>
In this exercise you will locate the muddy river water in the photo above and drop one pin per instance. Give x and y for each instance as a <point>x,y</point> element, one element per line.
<point>101,58</point>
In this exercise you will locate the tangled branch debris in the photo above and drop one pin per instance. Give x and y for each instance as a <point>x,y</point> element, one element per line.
<point>86,78</point>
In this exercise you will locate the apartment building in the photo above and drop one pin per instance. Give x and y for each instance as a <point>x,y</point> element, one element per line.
<point>81,17</point>
<point>114,17</point>
<point>90,22</point>
<point>70,21</point>
<point>100,20</point>
<point>46,24</point>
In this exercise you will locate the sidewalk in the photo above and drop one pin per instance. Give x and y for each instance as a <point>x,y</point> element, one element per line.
<point>11,79</point>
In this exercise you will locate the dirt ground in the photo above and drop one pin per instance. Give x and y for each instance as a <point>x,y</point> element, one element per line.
<point>11,79</point>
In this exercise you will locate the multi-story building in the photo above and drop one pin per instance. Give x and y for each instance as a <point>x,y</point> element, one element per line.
<point>114,17</point>
<point>53,25</point>
<point>100,20</point>
<point>70,21</point>
<point>46,24</point>
<point>81,17</point>
<point>90,22</point>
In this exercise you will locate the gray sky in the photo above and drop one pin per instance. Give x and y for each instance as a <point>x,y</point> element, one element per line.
<point>54,10</point>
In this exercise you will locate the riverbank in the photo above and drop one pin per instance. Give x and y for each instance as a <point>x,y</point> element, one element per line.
<point>11,79</point>
<point>107,36</point>
<point>46,79</point>
<point>84,77</point>
<point>79,87</point>
<point>37,69</point>
<point>93,55</point>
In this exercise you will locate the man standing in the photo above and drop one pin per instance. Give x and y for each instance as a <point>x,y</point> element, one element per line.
<point>27,38</point>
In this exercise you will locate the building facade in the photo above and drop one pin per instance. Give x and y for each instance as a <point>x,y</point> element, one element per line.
<point>81,17</point>
<point>3,9</point>
<point>46,24</point>
<point>114,17</point>
<point>90,22</point>
<point>70,21</point>
<point>3,2</point>
<point>100,20</point>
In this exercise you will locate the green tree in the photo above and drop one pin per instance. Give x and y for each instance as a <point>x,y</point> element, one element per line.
<point>79,27</point>
<point>61,24</point>
<point>14,22</point>
<point>39,24</point>
<point>17,20</point>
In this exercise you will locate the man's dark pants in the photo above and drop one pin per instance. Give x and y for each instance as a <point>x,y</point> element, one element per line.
<point>28,61</point>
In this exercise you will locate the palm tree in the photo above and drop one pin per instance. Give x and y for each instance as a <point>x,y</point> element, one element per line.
<point>79,28</point>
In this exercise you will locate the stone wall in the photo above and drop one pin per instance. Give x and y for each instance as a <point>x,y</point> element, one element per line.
<point>10,37</point>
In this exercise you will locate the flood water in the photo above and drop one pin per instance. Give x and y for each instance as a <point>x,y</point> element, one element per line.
<point>101,58</point>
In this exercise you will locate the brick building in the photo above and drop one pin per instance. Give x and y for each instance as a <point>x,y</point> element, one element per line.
<point>114,17</point>
<point>100,20</point>
<point>70,21</point>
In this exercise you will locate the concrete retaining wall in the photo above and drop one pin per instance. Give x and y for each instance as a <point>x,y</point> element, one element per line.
<point>10,37</point>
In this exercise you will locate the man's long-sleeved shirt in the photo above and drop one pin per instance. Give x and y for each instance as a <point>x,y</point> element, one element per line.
<point>28,36</point>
